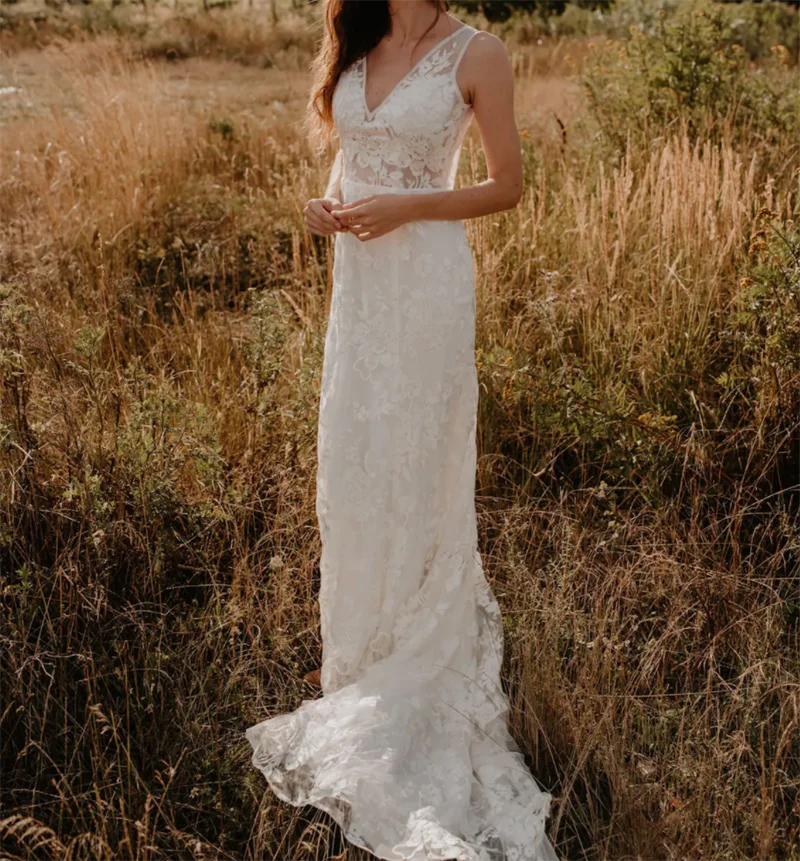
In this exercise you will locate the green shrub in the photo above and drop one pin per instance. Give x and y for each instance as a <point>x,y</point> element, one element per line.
<point>762,336</point>
<point>690,67</point>
<point>755,26</point>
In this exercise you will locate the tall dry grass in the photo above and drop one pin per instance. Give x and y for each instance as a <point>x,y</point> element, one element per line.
<point>162,315</point>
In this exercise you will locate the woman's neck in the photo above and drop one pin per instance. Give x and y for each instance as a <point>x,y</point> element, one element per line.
<point>411,19</point>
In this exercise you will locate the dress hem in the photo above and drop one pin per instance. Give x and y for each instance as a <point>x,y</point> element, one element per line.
<point>332,805</point>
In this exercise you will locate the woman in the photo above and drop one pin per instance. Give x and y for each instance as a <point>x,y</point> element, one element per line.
<point>408,748</point>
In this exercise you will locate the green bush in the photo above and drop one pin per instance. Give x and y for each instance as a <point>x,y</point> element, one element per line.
<point>762,337</point>
<point>691,67</point>
<point>755,26</point>
<point>759,26</point>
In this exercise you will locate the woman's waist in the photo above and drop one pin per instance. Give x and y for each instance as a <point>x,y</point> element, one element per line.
<point>353,189</point>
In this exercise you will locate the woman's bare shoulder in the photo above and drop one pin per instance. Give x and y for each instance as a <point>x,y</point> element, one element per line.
<point>483,44</point>
<point>486,46</point>
<point>484,56</point>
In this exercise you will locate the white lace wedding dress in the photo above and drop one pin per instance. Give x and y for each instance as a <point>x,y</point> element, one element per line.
<point>408,748</point>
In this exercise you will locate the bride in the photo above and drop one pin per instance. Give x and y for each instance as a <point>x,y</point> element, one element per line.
<point>407,748</point>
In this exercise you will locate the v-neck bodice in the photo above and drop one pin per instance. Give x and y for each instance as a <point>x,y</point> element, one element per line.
<point>371,113</point>
<point>412,138</point>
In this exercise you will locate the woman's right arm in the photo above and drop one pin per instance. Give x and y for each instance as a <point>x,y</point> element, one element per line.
<point>320,212</point>
<point>334,188</point>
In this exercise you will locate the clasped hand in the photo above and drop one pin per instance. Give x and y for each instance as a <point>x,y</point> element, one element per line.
<point>367,218</point>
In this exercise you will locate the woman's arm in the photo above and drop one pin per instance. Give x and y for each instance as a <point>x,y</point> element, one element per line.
<point>334,189</point>
<point>320,212</point>
<point>487,76</point>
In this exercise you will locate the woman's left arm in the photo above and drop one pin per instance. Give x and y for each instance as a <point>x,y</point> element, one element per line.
<point>487,75</point>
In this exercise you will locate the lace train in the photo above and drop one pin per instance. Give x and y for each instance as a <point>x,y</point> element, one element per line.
<point>417,766</point>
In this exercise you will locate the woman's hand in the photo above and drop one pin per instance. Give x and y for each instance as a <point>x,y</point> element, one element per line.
<point>321,215</point>
<point>376,215</point>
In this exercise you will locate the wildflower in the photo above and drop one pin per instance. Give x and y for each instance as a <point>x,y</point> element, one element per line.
<point>781,54</point>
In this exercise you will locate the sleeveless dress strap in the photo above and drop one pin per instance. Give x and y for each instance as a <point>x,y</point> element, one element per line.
<point>466,41</point>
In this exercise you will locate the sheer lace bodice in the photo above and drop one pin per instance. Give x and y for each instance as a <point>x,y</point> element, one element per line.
<point>413,137</point>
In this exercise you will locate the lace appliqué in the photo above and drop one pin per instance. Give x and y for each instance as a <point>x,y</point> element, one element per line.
<point>411,139</point>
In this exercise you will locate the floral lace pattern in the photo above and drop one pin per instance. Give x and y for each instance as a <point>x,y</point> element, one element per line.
<point>412,138</point>
<point>408,748</point>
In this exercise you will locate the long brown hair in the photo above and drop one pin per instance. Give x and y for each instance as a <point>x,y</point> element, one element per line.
<point>352,29</point>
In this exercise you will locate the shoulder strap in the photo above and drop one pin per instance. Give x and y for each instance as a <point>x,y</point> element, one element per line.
<point>465,42</point>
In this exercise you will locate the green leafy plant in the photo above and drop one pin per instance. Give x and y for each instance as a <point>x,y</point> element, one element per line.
<point>690,67</point>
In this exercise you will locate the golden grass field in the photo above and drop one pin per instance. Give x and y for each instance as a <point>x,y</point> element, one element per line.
<point>162,315</point>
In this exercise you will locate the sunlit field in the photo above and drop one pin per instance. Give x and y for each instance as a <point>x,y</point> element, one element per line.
<point>162,315</point>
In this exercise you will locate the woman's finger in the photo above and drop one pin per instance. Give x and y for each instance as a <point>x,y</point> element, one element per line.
<point>312,220</point>
<point>351,216</point>
<point>317,206</point>
<point>366,231</point>
<point>316,225</point>
<point>356,203</point>
<point>322,218</point>
<point>358,229</point>
<point>329,214</point>
<point>323,213</point>
<point>319,231</point>
<point>331,206</point>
